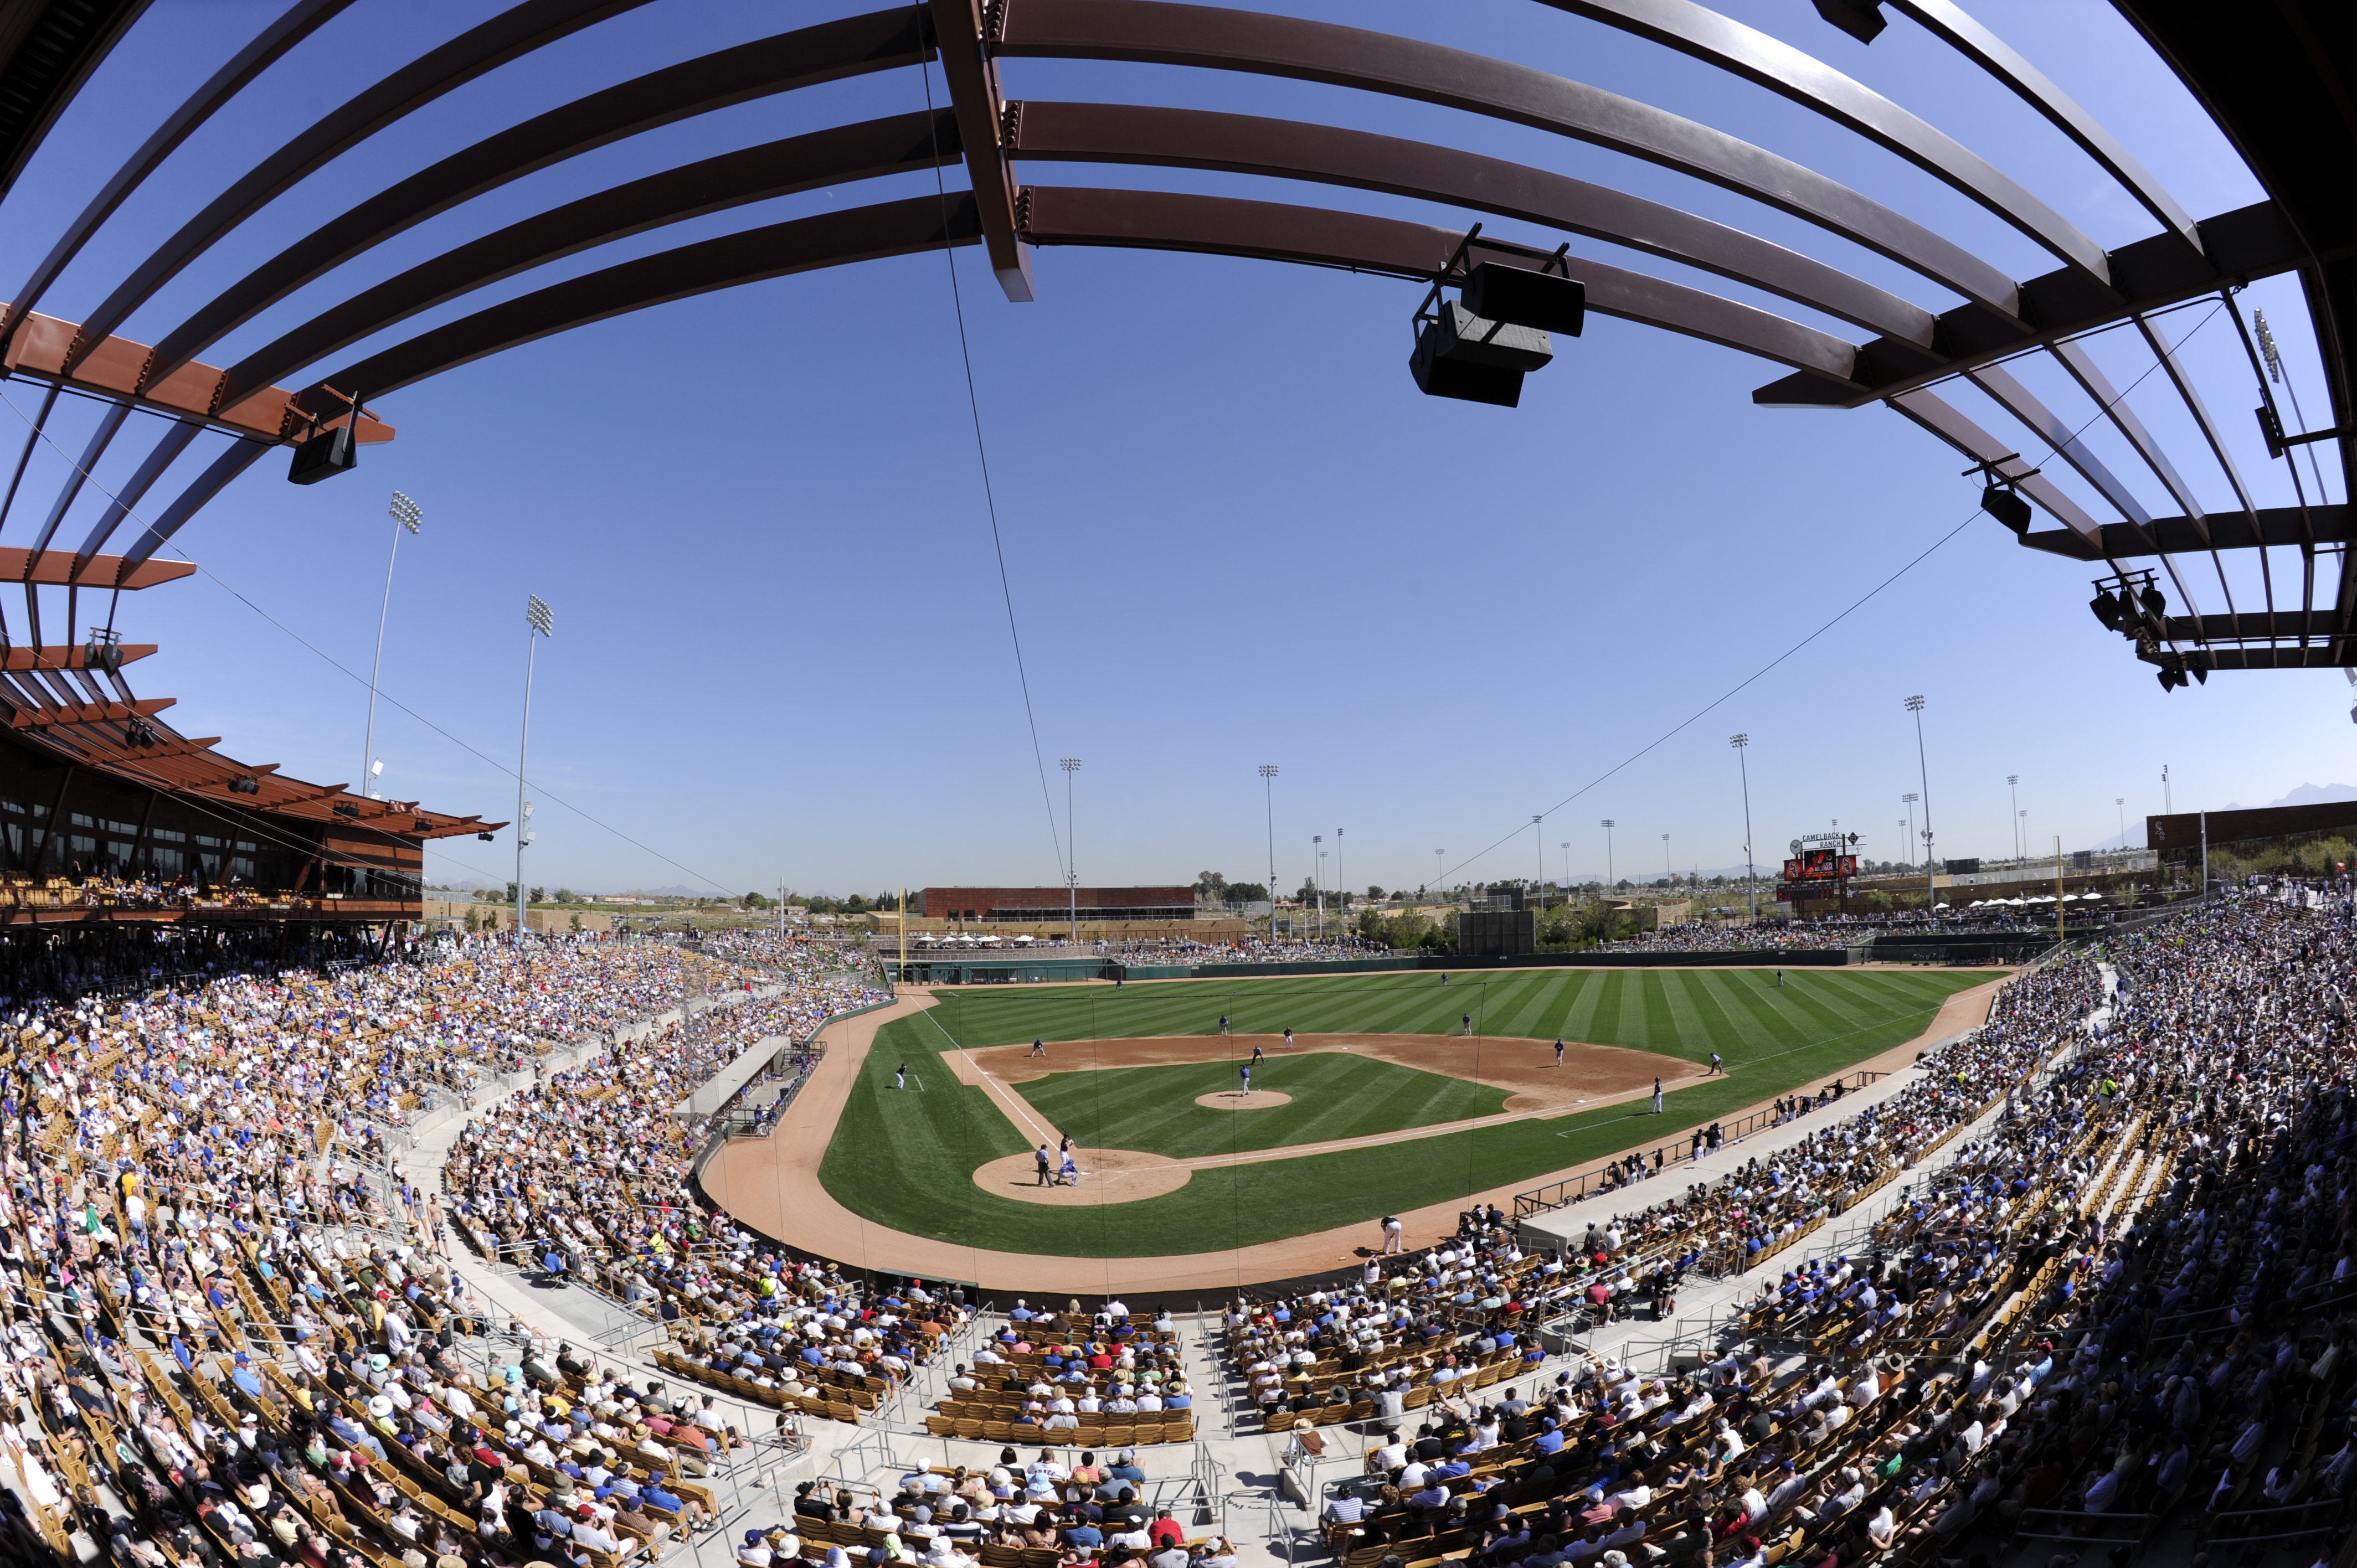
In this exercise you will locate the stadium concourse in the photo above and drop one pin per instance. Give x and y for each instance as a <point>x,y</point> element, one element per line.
<point>2078,1280</point>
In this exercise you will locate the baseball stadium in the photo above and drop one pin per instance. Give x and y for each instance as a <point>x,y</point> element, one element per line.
<point>871,397</point>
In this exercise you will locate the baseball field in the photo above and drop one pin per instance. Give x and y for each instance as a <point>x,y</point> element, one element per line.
<point>1398,1091</point>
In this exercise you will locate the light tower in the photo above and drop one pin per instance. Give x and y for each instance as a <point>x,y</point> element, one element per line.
<point>539,622</point>
<point>1930,887</point>
<point>1268,786</point>
<point>1742,742</point>
<point>405,514</point>
<point>1071,765</point>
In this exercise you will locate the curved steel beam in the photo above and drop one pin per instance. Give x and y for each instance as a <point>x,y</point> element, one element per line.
<point>53,51</point>
<point>108,421</point>
<point>174,441</point>
<point>1145,220</point>
<point>299,22</point>
<point>804,57</point>
<point>846,153</point>
<point>1271,230</point>
<point>1289,149</point>
<point>1163,33</point>
<point>1943,419</point>
<point>1704,33</point>
<point>803,244</point>
<point>241,455</point>
<point>1949,22</point>
<point>513,32</point>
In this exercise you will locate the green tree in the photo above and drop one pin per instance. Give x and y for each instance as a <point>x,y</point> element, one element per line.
<point>754,901</point>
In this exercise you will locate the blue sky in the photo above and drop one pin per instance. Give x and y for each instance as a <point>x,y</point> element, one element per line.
<point>1234,533</point>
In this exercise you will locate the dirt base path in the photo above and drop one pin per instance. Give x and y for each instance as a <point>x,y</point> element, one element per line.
<point>1590,1074</point>
<point>772,1185</point>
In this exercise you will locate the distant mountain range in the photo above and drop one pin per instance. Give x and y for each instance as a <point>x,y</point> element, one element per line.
<point>2305,795</point>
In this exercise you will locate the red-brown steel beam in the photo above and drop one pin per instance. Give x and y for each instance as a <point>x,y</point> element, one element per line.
<point>973,78</point>
<point>88,713</point>
<point>56,569</point>
<point>71,656</point>
<point>115,369</point>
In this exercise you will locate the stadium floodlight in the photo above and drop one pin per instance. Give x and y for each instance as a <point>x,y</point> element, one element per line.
<point>1742,744</point>
<point>1607,853</point>
<point>2107,608</point>
<point>1931,865</point>
<point>405,514</point>
<point>538,621</point>
<point>1071,765</point>
<point>1268,786</point>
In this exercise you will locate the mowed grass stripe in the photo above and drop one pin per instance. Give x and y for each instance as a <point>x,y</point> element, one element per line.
<point>1334,1096</point>
<point>906,1160</point>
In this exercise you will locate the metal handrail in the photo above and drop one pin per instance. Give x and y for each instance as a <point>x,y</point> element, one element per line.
<point>1543,1199</point>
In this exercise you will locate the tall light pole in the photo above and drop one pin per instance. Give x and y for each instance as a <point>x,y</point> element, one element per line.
<point>1539,888</point>
<point>1742,742</point>
<point>1071,765</point>
<point>2013,795</point>
<point>2167,801</point>
<point>1439,856</point>
<point>405,515</point>
<point>1567,873</point>
<point>1669,876</point>
<point>1909,801</point>
<point>1342,891</point>
<point>2025,830</point>
<point>1608,855</point>
<point>1930,887</point>
<point>1268,784</point>
<point>2122,802</point>
<point>538,621</point>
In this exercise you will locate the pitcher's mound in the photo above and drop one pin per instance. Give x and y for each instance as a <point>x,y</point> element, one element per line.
<point>1236,1099</point>
<point>1107,1176</point>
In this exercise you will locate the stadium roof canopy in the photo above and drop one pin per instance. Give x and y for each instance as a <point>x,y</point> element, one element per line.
<point>2275,77</point>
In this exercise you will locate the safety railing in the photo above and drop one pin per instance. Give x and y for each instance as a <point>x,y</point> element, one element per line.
<point>1572,1189</point>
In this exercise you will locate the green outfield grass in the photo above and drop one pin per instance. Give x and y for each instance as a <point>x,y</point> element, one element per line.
<point>907,1159</point>
<point>1153,1108</point>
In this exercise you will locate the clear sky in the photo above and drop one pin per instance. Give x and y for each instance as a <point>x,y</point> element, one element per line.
<point>1234,533</point>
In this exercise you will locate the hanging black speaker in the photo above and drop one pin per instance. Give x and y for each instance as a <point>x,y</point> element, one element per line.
<point>328,453</point>
<point>1437,376</point>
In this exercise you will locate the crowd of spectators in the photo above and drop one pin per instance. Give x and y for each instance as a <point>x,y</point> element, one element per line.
<point>230,1316</point>
<point>1836,930</point>
<point>586,1173</point>
<point>2121,1309</point>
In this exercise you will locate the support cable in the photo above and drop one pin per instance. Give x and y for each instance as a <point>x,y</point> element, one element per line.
<point>1852,608</point>
<point>356,678</point>
<point>982,455</point>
